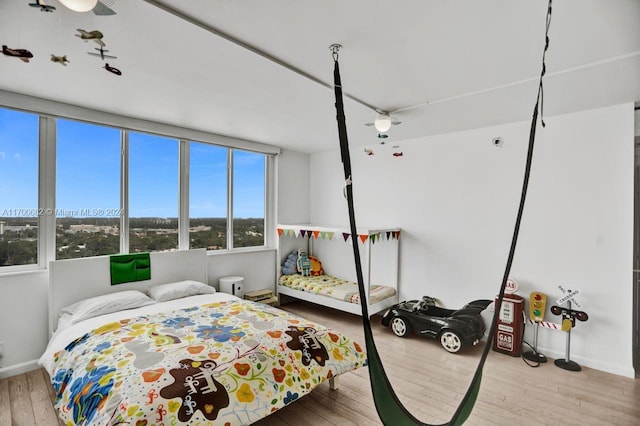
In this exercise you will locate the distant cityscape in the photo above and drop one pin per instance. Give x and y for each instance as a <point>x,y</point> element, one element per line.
<point>83,237</point>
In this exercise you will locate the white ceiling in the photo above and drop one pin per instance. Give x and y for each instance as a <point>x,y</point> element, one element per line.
<point>466,63</point>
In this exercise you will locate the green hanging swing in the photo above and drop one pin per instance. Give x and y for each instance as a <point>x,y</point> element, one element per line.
<point>390,409</point>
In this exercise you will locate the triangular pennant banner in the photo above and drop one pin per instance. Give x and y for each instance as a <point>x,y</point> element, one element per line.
<point>388,235</point>
<point>330,234</point>
<point>363,238</point>
<point>303,232</point>
<point>397,235</point>
<point>315,234</point>
<point>279,232</point>
<point>345,236</point>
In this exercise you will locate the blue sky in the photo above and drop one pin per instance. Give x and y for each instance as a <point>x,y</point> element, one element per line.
<point>88,171</point>
<point>18,160</point>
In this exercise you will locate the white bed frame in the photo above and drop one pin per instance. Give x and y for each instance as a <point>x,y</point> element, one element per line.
<point>72,280</point>
<point>366,255</point>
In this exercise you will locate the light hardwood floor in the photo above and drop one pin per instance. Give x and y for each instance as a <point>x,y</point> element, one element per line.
<point>429,381</point>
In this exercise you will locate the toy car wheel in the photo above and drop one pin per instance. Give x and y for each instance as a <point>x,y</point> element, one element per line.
<point>400,327</point>
<point>450,341</point>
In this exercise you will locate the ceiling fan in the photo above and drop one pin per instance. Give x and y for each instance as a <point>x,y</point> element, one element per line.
<point>383,122</point>
<point>99,7</point>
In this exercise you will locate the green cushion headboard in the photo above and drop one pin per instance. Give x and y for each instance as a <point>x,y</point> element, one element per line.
<point>126,268</point>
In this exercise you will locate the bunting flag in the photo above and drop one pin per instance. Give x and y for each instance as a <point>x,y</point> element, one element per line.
<point>324,235</point>
<point>328,235</point>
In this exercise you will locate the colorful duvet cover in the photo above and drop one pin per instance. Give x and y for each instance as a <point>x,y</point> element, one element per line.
<point>210,360</point>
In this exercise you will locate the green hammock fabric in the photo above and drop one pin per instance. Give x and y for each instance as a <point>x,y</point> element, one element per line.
<point>390,409</point>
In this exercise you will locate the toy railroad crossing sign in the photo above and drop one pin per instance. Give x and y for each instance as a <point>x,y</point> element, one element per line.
<point>568,297</point>
<point>569,317</point>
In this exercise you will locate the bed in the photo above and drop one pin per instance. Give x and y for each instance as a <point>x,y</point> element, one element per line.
<point>337,287</point>
<point>180,353</point>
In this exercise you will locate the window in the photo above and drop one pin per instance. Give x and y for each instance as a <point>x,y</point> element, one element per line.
<point>207,196</point>
<point>19,141</point>
<point>87,190</point>
<point>153,193</point>
<point>121,191</point>
<point>248,199</point>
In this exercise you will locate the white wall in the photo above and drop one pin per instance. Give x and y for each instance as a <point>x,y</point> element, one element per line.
<point>455,197</point>
<point>257,268</point>
<point>294,191</point>
<point>24,318</point>
<point>24,301</point>
<point>294,195</point>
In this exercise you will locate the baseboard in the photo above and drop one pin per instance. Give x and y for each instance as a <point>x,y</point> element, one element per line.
<point>14,370</point>
<point>591,363</point>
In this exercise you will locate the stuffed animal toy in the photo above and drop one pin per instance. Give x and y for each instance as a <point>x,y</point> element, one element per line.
<point>290,265</point>
<point>316,266</point>
<point>304,264</point>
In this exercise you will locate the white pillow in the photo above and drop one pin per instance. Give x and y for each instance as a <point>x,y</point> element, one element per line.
<point>164,292</point>
<point>106,304</point>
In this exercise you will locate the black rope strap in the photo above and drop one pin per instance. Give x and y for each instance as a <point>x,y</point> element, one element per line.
<point>390,409</point>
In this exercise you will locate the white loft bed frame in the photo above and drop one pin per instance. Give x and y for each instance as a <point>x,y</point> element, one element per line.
<point>365,254</point>
<point>72,280</point>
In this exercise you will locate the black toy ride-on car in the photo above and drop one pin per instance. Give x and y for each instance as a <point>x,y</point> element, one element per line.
<point>456,329</point>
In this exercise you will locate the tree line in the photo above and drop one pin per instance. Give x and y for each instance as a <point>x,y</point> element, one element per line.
<point>102,237</point>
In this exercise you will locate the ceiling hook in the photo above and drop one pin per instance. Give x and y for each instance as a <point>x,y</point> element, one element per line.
<point>335,50</point>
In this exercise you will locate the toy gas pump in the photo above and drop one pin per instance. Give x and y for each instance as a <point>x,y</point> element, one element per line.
<point>510,324</point>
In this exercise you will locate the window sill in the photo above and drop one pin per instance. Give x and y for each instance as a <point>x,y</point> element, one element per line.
<point>21,271</point>
<point>240,251</point>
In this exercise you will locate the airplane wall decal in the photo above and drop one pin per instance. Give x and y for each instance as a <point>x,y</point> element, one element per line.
<point>43,6</point>
<point>62,60</point>
<point>23,54</point>
<point>94,35</point>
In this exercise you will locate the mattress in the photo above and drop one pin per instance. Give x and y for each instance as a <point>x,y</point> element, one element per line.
<point>207,359</point>
<point>336,288</point>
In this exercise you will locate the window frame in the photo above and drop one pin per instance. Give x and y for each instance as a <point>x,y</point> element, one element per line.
<point>46,182</point>
<point>49,111</point>
<point>230,197</point>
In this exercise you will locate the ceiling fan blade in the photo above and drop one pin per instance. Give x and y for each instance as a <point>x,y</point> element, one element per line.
<point>368,124</point>
<point>395,123</point>
<point>102,10</point>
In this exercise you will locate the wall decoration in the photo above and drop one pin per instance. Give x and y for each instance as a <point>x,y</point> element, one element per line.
<point>43,6</point>
<point>62,60</point>
<point>113,70</point>
<point>23,54</point>
<point>94,35</point>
